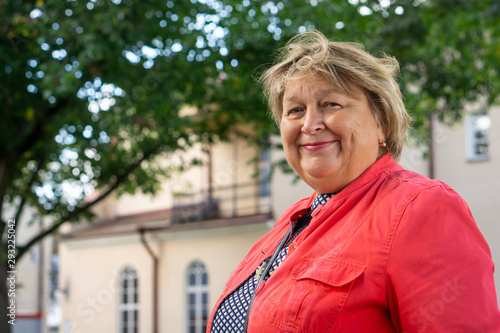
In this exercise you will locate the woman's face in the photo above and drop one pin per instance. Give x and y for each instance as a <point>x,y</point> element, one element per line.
<point>329,138</point>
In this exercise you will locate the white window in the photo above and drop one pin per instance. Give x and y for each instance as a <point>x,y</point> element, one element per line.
<point>197,298</point>
<point>128,306</point>
<point>478,137</point>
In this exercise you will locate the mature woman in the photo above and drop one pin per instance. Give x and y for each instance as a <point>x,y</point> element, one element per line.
<point>376,248</point>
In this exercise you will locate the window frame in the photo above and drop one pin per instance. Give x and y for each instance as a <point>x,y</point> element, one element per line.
<point>196,298</point>
<point>473,141</point>
<point>128,301</point>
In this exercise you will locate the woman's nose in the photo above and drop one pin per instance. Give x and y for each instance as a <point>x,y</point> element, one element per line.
<point>313,121</point>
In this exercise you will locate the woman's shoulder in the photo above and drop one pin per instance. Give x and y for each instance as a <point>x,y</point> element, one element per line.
<point>395,178</point>
<point>415,193</point>
<point>408,179</point>
<point>408,189</point>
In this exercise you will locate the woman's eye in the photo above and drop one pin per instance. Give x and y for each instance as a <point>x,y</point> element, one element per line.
<point>294,111</point>
<point>332,105</point>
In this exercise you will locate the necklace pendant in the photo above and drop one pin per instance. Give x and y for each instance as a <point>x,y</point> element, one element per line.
<point>260,270</point>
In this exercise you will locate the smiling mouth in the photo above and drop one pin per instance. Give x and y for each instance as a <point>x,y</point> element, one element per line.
<point>317,145</point>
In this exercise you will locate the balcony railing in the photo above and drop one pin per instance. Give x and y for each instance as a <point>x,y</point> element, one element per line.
<point>222,202</point>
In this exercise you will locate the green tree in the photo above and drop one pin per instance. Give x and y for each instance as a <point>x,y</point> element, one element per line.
<point>449,54</point>
<point>92,92</point>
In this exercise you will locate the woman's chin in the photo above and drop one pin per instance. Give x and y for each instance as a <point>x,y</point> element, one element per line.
<point>319,180</point>
<point>319,171</point>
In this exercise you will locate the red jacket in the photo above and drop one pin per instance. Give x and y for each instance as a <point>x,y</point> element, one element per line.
<point>392,252</point>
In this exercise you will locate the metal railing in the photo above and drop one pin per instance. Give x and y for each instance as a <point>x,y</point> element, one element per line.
<point>222,202</point>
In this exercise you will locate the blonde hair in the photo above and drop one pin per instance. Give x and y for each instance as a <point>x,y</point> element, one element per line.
<point>350,69</point>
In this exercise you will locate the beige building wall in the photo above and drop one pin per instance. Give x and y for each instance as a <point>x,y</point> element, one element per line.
<point>89,279</point>
<point>90,274</point>
<point>411,159</point>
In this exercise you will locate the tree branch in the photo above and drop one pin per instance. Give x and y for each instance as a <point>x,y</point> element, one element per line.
<point>20,209</point>
<point>71,215</point>
<point>27,187</point>
<point>3,224</point>
<point>36,131</point>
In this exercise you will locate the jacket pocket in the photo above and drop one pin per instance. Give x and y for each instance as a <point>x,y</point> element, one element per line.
<point>313,298</point>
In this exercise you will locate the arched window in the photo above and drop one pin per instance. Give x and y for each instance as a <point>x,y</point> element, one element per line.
<point>197,298</point>
<point>128,306</point>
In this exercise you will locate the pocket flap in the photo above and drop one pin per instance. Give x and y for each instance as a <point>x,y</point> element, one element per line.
<point>333,272</point>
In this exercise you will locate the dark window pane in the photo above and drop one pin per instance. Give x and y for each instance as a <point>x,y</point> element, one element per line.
<point>204,298</point>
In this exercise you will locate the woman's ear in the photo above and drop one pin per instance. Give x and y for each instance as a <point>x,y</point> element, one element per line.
<point>381,135</point>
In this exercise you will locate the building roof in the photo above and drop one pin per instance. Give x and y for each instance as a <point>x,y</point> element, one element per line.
<point>159,220</point>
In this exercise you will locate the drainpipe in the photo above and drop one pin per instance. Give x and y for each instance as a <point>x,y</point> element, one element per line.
<point>155,280</point>
<point>209,171</point>
<point>235,174</point>
<point>432,171</point>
